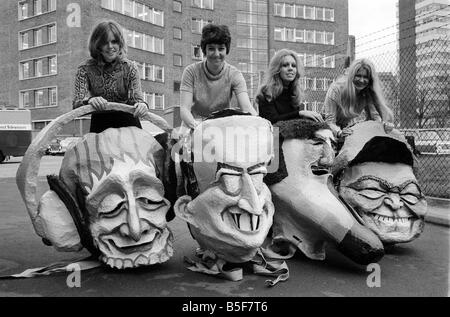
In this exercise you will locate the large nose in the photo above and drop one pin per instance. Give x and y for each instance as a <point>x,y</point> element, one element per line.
<point>132,228</point>
<point>249,199</point>
<point>393,201</point>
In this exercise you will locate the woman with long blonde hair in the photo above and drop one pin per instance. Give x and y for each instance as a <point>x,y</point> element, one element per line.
<point>279,97</point>
<point>356,97</point>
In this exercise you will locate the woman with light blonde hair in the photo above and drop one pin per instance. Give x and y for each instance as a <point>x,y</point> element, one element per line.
<point>356,97</point>
<point>279,97</point>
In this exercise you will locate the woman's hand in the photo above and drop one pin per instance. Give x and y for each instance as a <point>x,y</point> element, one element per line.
<point>99,103</point>
<point>388,127</point>
<point>311,115</point>
<point>344,132</point>
<point>140,109</point>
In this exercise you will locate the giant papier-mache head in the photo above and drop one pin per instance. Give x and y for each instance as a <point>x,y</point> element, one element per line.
<point>109,197</point>
<point>232,213</point>
<point>376,177</point>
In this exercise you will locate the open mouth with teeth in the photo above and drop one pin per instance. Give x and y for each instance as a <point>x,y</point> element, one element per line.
<point>391,219</point>
<point>319,170</point>
<point>243,220</point>
<point>144,246</point>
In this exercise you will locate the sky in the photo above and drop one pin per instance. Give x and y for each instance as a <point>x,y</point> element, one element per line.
<point>373,23</point>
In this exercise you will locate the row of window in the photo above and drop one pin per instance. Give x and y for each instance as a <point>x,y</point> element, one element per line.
<point>315,60</point>
<point>154,100</point>
<point>150,72</point>
<point>38,67</point>
<point>315,84</point>
<point>136,10</point>
<point>203,4</point>
<point>31,8</point>
<point>304,36</point>
<point>297,11</point>
<point>37,36</point>
<point>144,41</point>
<point>40,97</point>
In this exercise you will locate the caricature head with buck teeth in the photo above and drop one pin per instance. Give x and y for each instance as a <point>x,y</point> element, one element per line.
<point>119,173</point>
<point>379,183</point>
<point>233,212</point>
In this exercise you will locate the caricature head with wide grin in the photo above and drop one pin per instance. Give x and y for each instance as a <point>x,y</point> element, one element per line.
<point>119,173</point>
<point>379,183</point>
<point>233,212</point>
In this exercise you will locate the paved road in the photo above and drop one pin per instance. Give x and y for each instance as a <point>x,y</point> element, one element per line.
<point>419,268</point>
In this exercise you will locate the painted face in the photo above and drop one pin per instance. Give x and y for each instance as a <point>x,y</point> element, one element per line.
<point>127,212</point>
<point>361,79</point>
<point>233,216</point>
<point>288,69</point>
<point>215,55</point>
<point>117,171</point>
<point>110,50</point>
<point>233,212</point>
<point>388,198</point>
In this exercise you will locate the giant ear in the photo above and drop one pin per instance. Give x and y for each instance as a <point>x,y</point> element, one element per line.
<point>56,224</point>
<point>181,209</point>
<point>27,173</point>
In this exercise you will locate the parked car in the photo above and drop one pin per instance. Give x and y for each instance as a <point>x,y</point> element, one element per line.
<point>60,146</point>
<point>429,141</point>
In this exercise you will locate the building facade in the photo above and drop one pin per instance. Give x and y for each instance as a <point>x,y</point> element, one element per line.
<point>424,63</point>
<point>43,42</point>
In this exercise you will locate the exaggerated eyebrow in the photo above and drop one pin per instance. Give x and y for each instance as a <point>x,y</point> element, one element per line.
<point>226,166</point>
<point>261,166</point>
<point>364,181</point>
<point>406,184</point>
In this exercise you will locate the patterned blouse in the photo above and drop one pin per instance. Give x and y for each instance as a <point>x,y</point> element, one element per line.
<point>116,82</point>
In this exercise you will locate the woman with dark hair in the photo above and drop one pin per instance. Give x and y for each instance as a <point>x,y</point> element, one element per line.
<point>208,86</point>
<point>108,76</point>
<point>355,97</point>
<point>279,97</point>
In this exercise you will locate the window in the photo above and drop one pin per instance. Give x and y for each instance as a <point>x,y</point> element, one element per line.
<point>52,33</point>
<point>39,125</point>
<point>329,38</point>
<point>329,62</point>
<point>198,24</point>
<point>52,96</point>
<point>37,39</point>
<point>128,7</point>
<point>300,36</point>
<point>299,11</point>
<point>309,12</point>
<point>176,86</point>
<point>39,98</point>
<point>309,36</point>
<point>51,5</point>
<point>177,32</point>
<point>329,15</point>
<point>320,37</point>
<point>177,60</point>
<point>24,99</point>
<point>320,13</point>
<point>177,6</point>
<point>52,65</point>
<point>24,70</point>
<point>118,6</point>
<point>159,45</point>
<point>138,40</point>
<point>159,73</point>
<point>23,10</point>
<point>158,17</point>
<point>278,34</point>
<point>144,41</point>
<point>159,101</point>
<point>289,11</point>
<point>37,7</point>
<point>23,44</point>
<point>197,52</point>
<point>290,35</point>
<point>203,4</point>
<point>38,68</point>
<point>279,9</point>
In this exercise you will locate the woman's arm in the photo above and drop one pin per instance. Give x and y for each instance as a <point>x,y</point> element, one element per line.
<point>186,102</point>
<point>245,104</point>
<point>330,107</point>
<point>81,91</point>
<point>135,96</point>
